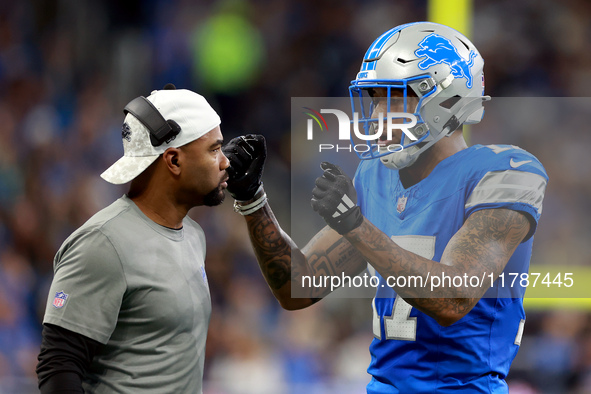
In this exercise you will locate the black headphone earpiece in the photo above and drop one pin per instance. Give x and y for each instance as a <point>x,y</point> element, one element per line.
<point>161,130</point>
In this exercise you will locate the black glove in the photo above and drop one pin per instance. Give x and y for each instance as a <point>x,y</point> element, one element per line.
<point>247,156</point>
<point>335,199</point>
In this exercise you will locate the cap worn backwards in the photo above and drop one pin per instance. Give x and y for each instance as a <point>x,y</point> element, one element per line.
<point>190,110</point>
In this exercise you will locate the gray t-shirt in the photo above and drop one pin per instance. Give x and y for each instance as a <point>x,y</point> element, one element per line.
<point>141,290</point>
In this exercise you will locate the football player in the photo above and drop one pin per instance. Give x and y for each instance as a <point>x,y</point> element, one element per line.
<point>432,209</point>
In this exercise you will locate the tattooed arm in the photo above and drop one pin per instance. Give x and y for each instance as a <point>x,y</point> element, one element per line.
<point>283,264</point>
<point>482,246</point>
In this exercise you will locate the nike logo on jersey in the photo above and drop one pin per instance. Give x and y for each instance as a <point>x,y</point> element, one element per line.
<point>344,206</point>
<point>516,164</point>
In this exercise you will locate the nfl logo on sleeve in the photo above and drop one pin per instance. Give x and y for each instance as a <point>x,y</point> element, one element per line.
<point>60,299</point>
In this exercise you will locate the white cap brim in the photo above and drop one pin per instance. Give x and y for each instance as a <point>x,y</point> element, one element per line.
<point>127,168</point>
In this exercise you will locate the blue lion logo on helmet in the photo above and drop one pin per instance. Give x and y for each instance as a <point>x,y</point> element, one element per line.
<point>438,49</point>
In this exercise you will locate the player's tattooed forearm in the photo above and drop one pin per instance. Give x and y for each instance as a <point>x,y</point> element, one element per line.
<point>272,249</point>
<point>332,260</point>
<point>281,261</point>
<point>396,262</point>
<point>277,273</point>
<point>481,248</point>
<point>393,260</point>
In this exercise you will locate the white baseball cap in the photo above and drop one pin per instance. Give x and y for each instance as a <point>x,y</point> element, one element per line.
<point>188,109</point>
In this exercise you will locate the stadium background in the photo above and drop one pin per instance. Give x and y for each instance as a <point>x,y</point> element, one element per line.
<point>67,68</point>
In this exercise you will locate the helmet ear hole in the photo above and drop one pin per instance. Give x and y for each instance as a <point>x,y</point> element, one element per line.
<point>450,102</point>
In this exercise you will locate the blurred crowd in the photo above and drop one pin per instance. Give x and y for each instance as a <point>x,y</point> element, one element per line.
<point>68,67</point>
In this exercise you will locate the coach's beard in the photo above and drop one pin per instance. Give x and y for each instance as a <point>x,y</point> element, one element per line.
<point>214,197</point>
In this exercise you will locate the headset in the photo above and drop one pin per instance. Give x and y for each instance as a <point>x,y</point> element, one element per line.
<point>161,130</point>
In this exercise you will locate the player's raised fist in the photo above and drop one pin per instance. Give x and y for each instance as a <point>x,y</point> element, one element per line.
<point>247,156</point>
<point>335,199</point>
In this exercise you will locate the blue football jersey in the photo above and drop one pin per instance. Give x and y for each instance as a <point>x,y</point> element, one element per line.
<point>411,352</point>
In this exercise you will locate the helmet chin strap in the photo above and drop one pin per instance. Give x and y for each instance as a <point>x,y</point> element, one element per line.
<point>399,160</point>
<point>408,156</point>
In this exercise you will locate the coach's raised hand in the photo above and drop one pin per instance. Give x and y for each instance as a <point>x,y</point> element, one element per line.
<point>247,156</point>
<point>335,199</point>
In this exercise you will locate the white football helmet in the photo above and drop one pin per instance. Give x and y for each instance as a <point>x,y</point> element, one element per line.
<point>440,66</point>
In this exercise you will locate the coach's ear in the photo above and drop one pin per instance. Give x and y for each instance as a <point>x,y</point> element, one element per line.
<point>172,160</point>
